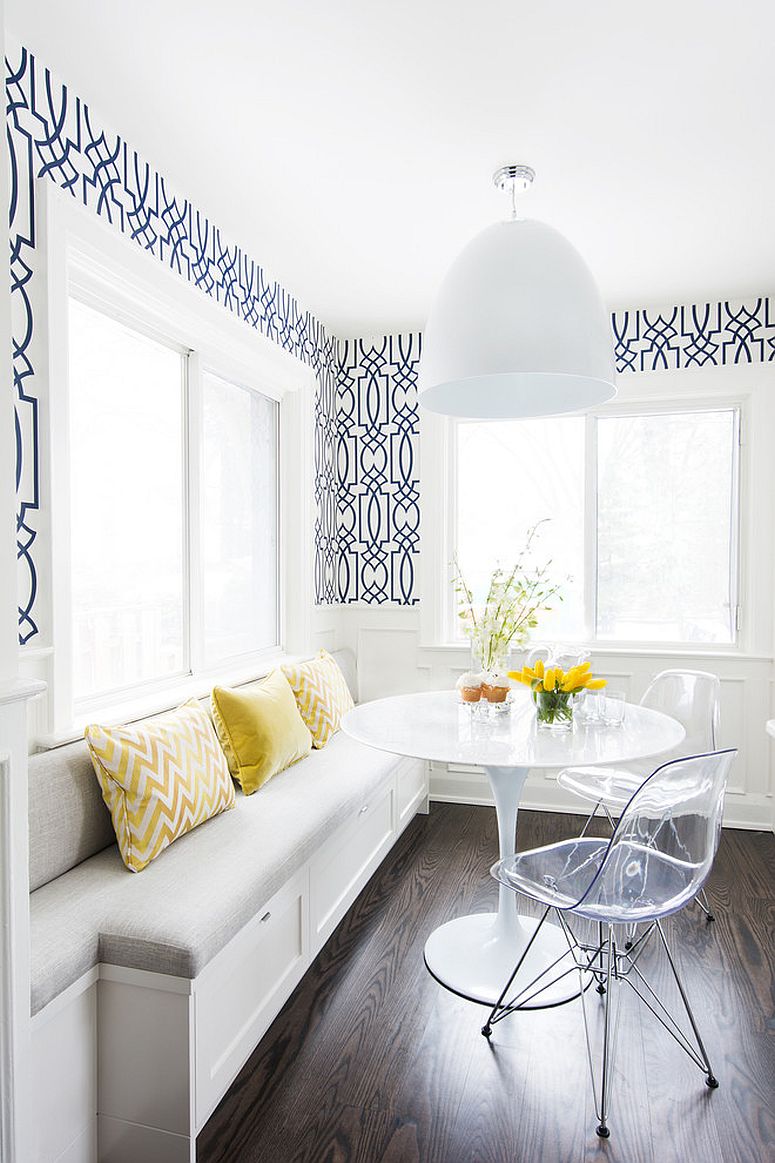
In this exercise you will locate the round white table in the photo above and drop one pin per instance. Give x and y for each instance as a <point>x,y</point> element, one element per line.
<point>474,955</point>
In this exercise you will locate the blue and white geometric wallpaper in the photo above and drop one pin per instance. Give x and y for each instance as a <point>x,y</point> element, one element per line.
<point>703,335</point>
<point>378,499</point>
<point>367,488</point>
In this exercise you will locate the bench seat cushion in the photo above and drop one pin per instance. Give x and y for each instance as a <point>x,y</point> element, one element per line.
<point>206,886</point>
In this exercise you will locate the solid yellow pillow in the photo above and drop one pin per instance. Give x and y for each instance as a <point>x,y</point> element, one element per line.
<point>260,729</point>
<point>160,778</point>
<point>322,694</point>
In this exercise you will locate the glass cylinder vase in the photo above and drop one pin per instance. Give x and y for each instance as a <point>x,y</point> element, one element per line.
<point>489,654</point>
<point>554,710</point>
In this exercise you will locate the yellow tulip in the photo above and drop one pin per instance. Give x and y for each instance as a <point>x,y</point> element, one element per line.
<point>539,668</point>
<point>596,684</point>
<point>549,675</point>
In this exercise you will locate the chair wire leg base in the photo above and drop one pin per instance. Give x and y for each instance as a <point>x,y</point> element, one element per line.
<point>605,953</point>
<point>701,900</point>
<point>622,967</point>
<point>696,1052</point>
<point>710,1079</point>
<point>601,976</point>
<point>602,1128</point>
<point>499,1010</point>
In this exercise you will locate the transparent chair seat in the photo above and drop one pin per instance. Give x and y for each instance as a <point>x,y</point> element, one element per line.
<point>656,861</point>
<point>558,874</point>
<point>691,697</point>
<point>647,883</point>
<point>611,786</point>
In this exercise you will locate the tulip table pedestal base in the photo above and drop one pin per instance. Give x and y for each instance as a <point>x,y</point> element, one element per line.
<point>474,956</point>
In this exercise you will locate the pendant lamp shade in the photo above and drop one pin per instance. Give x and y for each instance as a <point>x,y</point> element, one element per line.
<point>518,328</point>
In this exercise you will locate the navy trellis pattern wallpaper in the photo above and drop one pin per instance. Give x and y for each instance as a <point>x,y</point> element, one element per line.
<point>366,417</point>
<point>703,335</point>
<point>54,136</point>
<point>378,499</point>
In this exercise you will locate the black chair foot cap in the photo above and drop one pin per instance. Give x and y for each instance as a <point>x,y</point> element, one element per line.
<point>711,1082</point>
<point>603,1131</point>
<point>628,944</point>
<point>601,989</point>
<point>710,918</point>
<point>486,1030</point>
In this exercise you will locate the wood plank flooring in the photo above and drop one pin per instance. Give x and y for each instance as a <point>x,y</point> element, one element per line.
<point>371,1061</point>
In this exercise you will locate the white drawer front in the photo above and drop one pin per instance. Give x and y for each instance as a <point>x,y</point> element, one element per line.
<point>341,868</point>
<point>64,1064</point>
<point>412,789</point>
<point>243,989</point>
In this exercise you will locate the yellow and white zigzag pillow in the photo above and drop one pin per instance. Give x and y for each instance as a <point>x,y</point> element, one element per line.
<point>322,695</point>
<point>160,778</point>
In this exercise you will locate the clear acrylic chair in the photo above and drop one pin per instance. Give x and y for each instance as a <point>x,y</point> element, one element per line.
<point>656,861</point>
<point>690,696</point>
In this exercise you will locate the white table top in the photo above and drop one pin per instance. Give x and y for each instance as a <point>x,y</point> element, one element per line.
<point>435,726</point>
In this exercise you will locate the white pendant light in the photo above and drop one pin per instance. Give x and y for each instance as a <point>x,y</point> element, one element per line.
<point>518,327</point>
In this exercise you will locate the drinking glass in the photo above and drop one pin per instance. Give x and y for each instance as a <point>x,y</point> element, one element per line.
<point>588,707</point>
<point>613,708</point>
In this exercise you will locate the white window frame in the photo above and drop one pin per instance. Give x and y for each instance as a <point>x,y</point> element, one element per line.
<point>744,389</point>
<point>87,259</point>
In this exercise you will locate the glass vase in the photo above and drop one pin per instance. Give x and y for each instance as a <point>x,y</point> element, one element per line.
<point>489,655</point>
<point>554,710</point>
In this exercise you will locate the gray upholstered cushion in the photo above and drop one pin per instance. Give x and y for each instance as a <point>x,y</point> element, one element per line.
<point>346,661</point>
<point>175,915</point>
<point>69,821</point>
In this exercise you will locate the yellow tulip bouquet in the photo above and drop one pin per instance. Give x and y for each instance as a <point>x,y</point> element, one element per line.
<point>553,689</point>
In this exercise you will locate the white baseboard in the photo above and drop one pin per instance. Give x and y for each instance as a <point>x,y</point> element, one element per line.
<point>751,812</point>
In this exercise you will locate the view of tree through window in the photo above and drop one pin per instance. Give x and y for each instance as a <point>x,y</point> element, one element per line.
<point>666,503</point>
<point>239,519</point>
<point>126,505</point>
<point>644,507</point>
<point>511,475</point>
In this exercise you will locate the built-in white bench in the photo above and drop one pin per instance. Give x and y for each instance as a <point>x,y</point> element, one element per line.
<point>149,991</point>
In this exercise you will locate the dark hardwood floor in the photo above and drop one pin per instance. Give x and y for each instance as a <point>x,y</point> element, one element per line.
<point>372,1061</point>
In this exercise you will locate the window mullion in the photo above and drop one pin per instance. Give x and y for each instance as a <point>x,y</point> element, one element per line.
<point>193,524</point>
<point>590,527</point>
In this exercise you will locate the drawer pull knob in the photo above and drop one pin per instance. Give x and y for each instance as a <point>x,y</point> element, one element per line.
<point>265,917</point>
<point>365,808</point>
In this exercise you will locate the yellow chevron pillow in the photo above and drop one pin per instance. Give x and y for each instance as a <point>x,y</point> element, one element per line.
<point>322,695</point>
<point>160,778</point>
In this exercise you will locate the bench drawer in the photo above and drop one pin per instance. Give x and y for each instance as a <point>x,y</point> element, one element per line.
<point>341,868</point>
<point>242,990</point>
<point>412,789</point>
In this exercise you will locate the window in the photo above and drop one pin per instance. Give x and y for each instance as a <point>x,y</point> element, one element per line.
<point>510,476</point>
<point>174,511</point>
<point>127,505</point>
<point>667,527</point>
<point>642,518</point>
<point>239,519</point>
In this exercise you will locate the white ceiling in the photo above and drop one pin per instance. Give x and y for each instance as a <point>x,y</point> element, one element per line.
<point>349,145</point>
